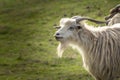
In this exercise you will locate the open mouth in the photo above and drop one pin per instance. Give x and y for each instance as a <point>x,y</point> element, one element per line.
<point>58,38</point>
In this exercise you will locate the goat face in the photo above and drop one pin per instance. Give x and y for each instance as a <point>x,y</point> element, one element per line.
<point>68,30</point>
<point>66,34</point>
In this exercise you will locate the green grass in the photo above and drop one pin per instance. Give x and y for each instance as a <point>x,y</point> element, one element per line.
<point>27,45</point>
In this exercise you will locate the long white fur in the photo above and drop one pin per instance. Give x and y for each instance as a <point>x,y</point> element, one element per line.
<point>99,47</point>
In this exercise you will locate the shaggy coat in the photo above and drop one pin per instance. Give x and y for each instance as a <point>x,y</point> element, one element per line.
<point>99,47</point>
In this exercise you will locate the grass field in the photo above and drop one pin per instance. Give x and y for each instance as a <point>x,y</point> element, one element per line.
<point>27,45</point>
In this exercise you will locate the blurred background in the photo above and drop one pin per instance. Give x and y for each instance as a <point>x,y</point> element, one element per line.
<point>27,45</point>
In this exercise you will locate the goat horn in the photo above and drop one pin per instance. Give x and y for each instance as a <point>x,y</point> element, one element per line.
<point>79,18</point>
<point>89,19</point>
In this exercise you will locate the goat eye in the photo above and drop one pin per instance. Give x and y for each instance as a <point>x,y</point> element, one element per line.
<point>79,27</point>
<point>71,28</point>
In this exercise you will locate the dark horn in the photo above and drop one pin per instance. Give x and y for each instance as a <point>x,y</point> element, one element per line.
<point>92,20</point>
<point>96,21</point>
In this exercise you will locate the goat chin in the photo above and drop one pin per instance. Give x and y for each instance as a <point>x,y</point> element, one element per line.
<point>60,49</point>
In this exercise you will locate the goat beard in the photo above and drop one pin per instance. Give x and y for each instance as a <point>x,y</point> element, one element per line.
<point>60,49</point>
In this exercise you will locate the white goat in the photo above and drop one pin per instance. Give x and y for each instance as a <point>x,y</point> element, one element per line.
<point>99,47</point>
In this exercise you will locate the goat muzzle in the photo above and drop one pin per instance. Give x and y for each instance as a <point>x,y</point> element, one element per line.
<point>58,37</point>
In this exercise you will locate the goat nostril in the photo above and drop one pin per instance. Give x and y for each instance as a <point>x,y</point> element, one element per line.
<point>57,33</point>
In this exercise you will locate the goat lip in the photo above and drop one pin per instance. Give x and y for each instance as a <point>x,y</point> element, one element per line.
<point>58,38</point>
